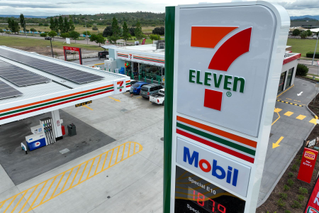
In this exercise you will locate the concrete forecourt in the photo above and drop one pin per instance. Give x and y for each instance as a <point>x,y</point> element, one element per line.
<point>98,182</point>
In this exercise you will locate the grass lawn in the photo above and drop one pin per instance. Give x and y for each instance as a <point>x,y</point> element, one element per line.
<point>17,42</point>
<point>302,45</point>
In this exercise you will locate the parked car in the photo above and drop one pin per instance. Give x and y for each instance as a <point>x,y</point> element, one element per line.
<point>103,54</point>
<point>132,83</point>
<point>159,97</point>
<point>136,88</point>
<point>150,89</point>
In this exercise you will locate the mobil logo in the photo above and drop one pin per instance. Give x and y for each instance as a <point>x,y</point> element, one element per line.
<point>215,168</point>
<point>231,177</point>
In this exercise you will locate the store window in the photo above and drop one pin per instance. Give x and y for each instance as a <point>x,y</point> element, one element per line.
<point>282,82</point>
<point>150,73</point>
<point>289,77</point>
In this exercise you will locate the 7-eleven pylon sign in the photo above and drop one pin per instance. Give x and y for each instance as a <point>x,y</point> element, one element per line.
<point>222,69</point>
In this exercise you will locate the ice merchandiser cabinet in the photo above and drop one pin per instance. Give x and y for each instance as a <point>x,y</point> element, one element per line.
<point>35,141</point>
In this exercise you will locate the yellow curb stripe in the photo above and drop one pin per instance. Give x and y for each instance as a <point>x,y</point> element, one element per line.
<point>40,196</point>
<point>114,99</point>
<point>87,107</point>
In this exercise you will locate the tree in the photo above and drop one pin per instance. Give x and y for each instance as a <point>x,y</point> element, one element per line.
<point>71,25</point>
<point>95,27</point>
<point>13,25</point>
<point>66,26</point>
<point>56,25</point>
<point>304,34</point>
<point>61,27</point>
<point>74,35</point>
<point>296,32</point>
<point>65,35</point>
<point>126,33</point>
<point>99,39</point>
<point>43,35</point>
<point>115,28</point>
<point>107,31</point>
<point>309,33</point>
<point>159,30</point>
<point>52,34</point>
<point>138,31</point>
<point>86,33</point>
<point>33,30</point>
<point>22,21</point>
<point>52,24</point>
<point>132,30</point>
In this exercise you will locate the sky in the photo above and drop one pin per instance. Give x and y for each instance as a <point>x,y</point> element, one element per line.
<point>63,7</point>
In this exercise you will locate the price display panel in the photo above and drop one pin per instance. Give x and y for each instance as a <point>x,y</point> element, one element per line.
<point>193,194</point>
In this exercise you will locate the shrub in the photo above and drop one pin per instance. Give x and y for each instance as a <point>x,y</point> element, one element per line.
<point>290,182</point>
<point>301,197</point>
<point>302,70</point>
<point>287,211</point>
<point>310,55</point>
<point>296,32</point>
<point>290,174</point>
<point>43,35</point>
<point>281,203</point>
<point>286,188</point>
<point>94,28</point>
<point>303,35</point>
<point>303,191</point>
<point>283,196</point>
<point>296,205</point>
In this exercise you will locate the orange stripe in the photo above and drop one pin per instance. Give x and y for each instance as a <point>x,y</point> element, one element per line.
<point>219,132</point>
<point>208,36</point>
<point>149,58</point>
<point>52,99</point>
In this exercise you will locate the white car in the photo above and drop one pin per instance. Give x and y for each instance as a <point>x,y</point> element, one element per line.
<point>158,98</point>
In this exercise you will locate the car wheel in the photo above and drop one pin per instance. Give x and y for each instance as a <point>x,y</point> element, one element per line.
<point>163,102</point>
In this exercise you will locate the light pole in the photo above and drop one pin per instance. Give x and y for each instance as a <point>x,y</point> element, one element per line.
<point>49,38</point>
<point>313,57</point>
<point>86,33</point>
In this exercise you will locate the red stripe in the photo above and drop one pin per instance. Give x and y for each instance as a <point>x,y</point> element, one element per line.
<point>291,58</point>
<point>45,107</point>
<point>216,146</point>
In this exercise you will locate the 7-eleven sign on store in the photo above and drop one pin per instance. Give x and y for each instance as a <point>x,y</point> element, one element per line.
<point>223,63</point>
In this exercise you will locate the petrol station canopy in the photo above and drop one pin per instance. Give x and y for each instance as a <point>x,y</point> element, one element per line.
<point>32,84</point>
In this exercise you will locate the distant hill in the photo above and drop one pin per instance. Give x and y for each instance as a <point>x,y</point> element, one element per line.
<point>25,16</point>
<point>304,18</point>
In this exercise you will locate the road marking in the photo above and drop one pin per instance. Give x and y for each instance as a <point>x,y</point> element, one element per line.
<point>87,107</point>
<point>114,99</point>
<point>277,110</point>
<point>99,64</point>
<point>300,117</point>
<point>286,102</point>
<point>275,145</point>
<point>51,188</point>
<point>314,121</point>
<point>288,113</point>
<point>299,94</point>
<point>289,99</point>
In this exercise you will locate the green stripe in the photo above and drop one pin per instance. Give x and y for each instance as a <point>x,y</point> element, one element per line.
<point>217,139</point>
<point>52,102</point>
<point>168,107</point>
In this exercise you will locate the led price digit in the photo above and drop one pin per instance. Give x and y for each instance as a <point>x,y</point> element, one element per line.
<point>200,199</point>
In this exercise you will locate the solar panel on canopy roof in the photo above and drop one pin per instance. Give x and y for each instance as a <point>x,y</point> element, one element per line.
<point>7,91</point>
<point>19,76</point>
<point>65,72</point>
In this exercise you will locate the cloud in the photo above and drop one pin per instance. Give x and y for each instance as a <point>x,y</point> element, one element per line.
<point>18,4</point>
<point>300,5</point>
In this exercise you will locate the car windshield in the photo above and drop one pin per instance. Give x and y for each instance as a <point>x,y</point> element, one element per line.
<point>136,85</point>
